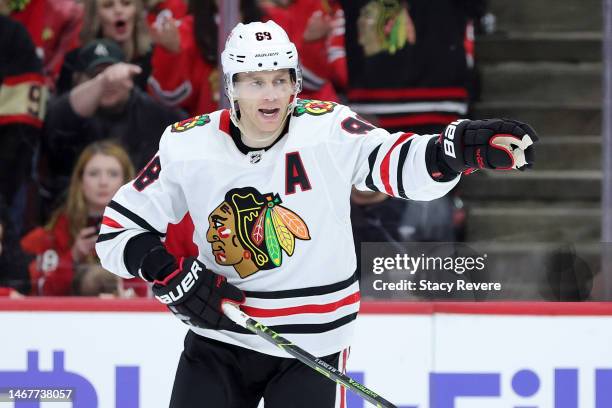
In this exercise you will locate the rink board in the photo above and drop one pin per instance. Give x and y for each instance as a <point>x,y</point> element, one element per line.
<point>123,354</point>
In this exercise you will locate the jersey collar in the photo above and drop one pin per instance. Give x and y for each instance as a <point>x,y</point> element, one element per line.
<point>234,132</point>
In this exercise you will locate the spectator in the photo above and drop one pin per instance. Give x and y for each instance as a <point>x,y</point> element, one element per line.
<point>98,282</point>
<point>313,25</point>
<point>185,62</point>
<point>65,246</point>
<point>14,281</point>
<point>122,21</point>
<point>105,105</point>
<point>336,50</point>
<point>54,27</point>
<point>159,10</point>
<point>22,109</point>
<point>406,73</point>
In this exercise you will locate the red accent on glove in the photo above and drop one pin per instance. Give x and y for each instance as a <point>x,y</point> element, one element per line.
<point>172,275</point>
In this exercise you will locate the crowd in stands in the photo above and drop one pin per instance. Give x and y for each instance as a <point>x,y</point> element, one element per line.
<point>87,87</point>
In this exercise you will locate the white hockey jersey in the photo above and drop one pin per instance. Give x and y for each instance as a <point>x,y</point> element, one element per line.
<point>276,221</point>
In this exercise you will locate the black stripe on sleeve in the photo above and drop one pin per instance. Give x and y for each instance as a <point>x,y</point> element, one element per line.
<point>304,328</point>
<point>109,236</point>
<point>371,161</point>
<point>400,168</point>
<point>134,218</point>
<point>311,291</point>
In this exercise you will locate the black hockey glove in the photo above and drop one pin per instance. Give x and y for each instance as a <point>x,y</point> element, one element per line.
<point>500,144</point>
<point>195,294</point>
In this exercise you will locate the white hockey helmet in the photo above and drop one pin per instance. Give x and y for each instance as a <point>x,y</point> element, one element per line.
<point>258,47</point>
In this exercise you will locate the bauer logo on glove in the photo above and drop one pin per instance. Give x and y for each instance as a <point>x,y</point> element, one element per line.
<point>195,295</point>
<point>499,144</point>
<point>176,293</point>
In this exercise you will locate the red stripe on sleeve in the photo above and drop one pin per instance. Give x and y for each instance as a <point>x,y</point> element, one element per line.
<point>21,118</point>
<point>384,166</point>
<point>287,311</point>
<point>20,79</point>
<point>109,222</point>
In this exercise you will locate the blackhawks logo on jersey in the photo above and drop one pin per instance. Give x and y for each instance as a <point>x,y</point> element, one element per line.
<point>250,231</point>
<point>313,107</point>
<point>190,123</point>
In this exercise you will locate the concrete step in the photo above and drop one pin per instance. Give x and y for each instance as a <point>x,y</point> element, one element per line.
<point>547,15</point>
<point>555,185</point>
<point>539,46</point>
<point>547,118</point>
<point>543,81</point>
<point>569,153</point>
<point>519,221</point>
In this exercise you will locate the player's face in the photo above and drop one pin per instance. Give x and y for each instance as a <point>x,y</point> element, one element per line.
<point>117,19</point>
<point>102,177</point>
<point>263,99</point>
<point>222,236</point>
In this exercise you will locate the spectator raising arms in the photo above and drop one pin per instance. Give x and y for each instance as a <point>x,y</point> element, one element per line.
<point>317,29</point>
<point>184,61</point>
<point>65,246</point>
<point>105,105</point>
<point>122,21</point>
<point>162,9</point>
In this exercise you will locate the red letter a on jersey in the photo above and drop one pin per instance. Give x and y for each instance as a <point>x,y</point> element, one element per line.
<point>295,173</point>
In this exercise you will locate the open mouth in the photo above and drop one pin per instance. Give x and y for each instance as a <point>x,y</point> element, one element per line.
<point>121,26</point>
<point>269,113</point>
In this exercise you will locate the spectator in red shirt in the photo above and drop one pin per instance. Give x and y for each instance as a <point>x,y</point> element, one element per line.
<point>162,9</point>
<point>317,29</point>
<point>54,27</point>
<point>184,61</point>
<point>65,246</point>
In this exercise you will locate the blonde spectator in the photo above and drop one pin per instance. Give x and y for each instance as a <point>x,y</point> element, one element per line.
<point>122,21</point>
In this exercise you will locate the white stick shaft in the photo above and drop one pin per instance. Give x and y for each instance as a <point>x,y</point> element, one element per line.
<point>235,314</point>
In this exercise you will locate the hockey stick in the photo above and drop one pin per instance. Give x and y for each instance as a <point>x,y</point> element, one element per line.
<point>244,320</point>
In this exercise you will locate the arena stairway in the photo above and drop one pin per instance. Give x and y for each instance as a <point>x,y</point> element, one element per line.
<point>543,66</point>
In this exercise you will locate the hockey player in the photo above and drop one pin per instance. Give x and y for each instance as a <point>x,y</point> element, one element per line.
<point>267,184</point>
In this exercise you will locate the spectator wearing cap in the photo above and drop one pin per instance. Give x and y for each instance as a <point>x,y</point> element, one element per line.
<point>104,105</point>
<point>123,21</point>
